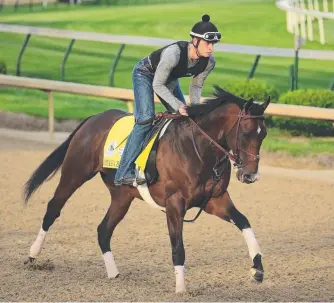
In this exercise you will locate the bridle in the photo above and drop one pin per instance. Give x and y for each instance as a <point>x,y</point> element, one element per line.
<point>235,155</point>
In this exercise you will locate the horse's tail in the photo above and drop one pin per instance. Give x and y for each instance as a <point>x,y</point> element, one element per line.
<point>49,167</point>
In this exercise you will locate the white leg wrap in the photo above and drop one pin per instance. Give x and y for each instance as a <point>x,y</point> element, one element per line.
<point>36,248</point>
<point>179,275</point>
<point>253,246</point>
<point>109,261</point>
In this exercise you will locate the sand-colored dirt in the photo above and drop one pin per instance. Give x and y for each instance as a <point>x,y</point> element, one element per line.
<point>291,212</point>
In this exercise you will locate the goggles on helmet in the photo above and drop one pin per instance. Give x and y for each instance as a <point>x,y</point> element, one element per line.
<point>209,36</point>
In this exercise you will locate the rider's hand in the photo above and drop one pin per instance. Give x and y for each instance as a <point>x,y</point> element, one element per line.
<point>183,110</point>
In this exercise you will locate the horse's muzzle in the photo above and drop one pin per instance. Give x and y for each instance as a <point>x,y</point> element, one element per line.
<point>247,178</point>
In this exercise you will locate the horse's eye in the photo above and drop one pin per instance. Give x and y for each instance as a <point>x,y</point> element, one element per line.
<point>244,134</point>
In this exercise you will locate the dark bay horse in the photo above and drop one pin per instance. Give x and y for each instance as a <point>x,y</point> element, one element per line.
<point>193,162</point>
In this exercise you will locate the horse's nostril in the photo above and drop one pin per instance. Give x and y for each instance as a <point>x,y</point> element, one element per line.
<point>248,178</point>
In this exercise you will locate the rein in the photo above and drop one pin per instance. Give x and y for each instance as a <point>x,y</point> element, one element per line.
<point>235,156</point>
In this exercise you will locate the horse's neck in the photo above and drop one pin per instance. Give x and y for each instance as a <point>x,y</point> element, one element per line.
<point>218,123</point>
<point>215,124</point>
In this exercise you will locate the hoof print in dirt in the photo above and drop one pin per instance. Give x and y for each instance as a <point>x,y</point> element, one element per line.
<point>31,264</point>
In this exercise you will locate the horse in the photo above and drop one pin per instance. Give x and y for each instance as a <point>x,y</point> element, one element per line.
<point>193,160</point>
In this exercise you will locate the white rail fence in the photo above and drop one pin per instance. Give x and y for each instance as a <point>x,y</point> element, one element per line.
<point>158,42</point>
<point>301,14</point>
<point>127,95</point>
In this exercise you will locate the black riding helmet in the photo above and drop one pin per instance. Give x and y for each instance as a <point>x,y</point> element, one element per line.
<point>205,30</point>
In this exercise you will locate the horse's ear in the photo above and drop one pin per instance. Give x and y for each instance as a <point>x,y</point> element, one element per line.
<point>248,104</point>
<point>264,105</point>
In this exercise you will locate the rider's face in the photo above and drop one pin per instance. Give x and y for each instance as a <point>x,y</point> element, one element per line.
<point>205,48</point>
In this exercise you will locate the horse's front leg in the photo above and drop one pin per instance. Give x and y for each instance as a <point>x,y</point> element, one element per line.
<point>175,211</point>
<point>224,208</point>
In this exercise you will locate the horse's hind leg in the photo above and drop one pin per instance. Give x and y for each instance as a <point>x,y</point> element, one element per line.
<point>224,208</point>
<point>121,201</point>
<point>175,212</point>
<point>70,181</point>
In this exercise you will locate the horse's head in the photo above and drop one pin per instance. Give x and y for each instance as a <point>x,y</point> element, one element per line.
<point>237,125</point>
<point>244,137</point>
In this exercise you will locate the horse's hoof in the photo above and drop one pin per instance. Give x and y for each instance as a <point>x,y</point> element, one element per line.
<point>257,274</point>
<point>180,287</point>
<point>114,276</point>
<point>180,290</point>
<point>30,261</point>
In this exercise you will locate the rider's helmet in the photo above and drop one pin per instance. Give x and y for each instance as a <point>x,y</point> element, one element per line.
<point>205,30</point>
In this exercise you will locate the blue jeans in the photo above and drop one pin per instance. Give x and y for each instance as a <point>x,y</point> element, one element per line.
<point>142,80</point>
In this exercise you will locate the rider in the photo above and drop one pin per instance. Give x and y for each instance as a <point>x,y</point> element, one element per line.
<point>158,73</point>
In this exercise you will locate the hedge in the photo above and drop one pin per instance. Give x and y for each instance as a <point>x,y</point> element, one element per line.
<point>309,97</point>
<point>252,89</point>
<point>306,97</point>
<point>3,69</point>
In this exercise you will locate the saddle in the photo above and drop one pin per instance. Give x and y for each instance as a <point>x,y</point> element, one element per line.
<point>151,173</point>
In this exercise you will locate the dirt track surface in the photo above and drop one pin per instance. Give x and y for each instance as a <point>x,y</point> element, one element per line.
<point>291,212</point>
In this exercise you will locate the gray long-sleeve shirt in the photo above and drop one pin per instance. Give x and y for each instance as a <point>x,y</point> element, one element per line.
<point>164,86</point>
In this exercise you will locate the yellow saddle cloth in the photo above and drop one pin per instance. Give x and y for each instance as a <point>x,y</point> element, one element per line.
<point>115,143</point>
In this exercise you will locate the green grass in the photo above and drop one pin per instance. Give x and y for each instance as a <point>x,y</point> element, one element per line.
<point>278,140</point>
<point>254,22</point>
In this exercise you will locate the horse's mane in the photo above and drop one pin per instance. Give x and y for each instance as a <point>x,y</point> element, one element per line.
<point>222,97</point>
